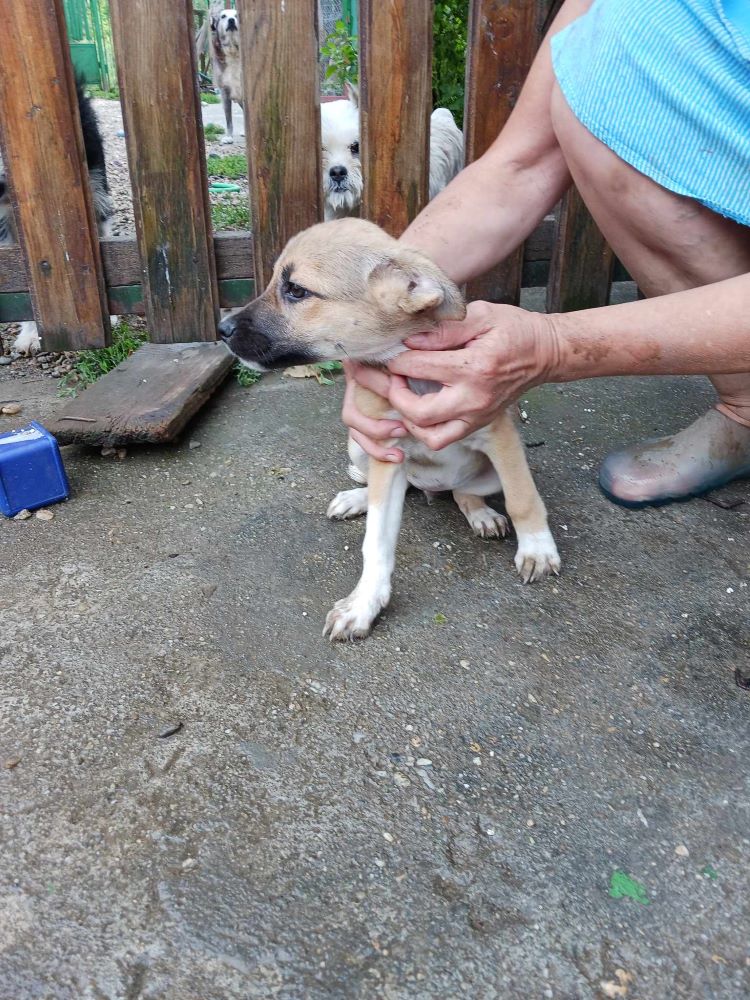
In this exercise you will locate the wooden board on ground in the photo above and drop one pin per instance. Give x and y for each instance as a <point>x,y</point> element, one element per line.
<point>147,399</point>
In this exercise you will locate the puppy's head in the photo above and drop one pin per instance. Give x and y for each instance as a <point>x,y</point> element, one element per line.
<point>342,289</point>
<point>226,28</point>
<point>342,169</point>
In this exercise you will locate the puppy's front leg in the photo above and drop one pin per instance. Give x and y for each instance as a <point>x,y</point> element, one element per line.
<point>537,554</point>
<point>352,617</point>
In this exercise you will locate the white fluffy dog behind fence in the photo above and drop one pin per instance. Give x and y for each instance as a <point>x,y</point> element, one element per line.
<point>342,168</point>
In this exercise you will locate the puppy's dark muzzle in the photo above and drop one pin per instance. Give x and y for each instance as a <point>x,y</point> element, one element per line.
<point>249,344</point>
<point>231,24</point>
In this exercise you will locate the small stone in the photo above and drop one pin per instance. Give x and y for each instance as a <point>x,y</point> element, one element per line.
<point>169,731</point>
<point>45,515</point>
<point>6,361</point>
<point>107,451</point>
<point>22,515</point>
<point>681,851</point>
<point>10,409</point>
<point>189,863</point>
<point>11,763</point>
<point>424,762</point>
<point>463,663</point>
<point>388,837</point>
<point>194,444</point>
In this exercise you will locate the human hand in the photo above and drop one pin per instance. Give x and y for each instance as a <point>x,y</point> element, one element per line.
<point>503,351</point>
<point>371,434</point>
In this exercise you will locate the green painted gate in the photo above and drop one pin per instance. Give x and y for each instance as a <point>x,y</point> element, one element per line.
<point>88,32</point>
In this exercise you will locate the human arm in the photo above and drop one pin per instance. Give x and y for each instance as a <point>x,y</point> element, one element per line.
<point>490,208</point>
<point>486,212</point>
<point>505,351</point>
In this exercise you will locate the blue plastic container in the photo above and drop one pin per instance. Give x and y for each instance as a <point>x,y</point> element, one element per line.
<point>31,470</point>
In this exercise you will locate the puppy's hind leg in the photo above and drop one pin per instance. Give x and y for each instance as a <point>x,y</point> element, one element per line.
<point>352,617</point>
<point>483,520</point>
<point>537,554</point>
<point>226,101</point>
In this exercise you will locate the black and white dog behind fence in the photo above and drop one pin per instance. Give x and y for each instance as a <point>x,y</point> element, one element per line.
<point>27,341</point>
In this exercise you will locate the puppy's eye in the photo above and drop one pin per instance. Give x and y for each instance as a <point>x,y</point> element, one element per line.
<point>354,149</point>
<point>295,292</point>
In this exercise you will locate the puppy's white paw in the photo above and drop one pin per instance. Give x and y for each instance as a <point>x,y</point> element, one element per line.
<point>227,140</point>
<point>27,342</point>
<point>487,523</point>
<point>537,556</point>
<point>348,504</point>
<point>352,617</point>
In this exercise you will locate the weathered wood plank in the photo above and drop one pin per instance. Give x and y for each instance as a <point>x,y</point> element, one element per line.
<point>282,117</point>
<point>395,39</point>
<point>582,262</point>
<point>147,399</point>
<point>166,155</point>
<point>122,261</point>
<point>126,300</point>
<point>503,41</point>
<point>40,136</point>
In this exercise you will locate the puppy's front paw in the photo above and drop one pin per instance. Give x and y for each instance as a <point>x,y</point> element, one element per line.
<point>352,617</point>
<point>537,556</point>
<point>226,140</point>
<point>348,504</point>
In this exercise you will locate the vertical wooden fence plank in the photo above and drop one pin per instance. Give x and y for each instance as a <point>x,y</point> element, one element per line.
<point>581,265</point>
<point>161,109</point>
<point>41,140</point>
<point>395,39</point>
<point>502,43</point>
<point>279,40</point>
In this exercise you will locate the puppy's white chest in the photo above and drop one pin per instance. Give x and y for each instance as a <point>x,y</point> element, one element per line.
<point>456,467</point>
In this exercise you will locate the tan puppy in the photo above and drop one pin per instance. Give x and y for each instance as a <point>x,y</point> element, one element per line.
<point>346,289</point>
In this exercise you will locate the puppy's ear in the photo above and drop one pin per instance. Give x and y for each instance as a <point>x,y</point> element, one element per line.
<point>214,23</point>
<point>351,93</point>
<point>415,291</point>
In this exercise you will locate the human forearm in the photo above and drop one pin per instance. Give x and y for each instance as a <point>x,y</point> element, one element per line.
<point>692,332</point>
<point>492,206</point>
<point>486,212</point>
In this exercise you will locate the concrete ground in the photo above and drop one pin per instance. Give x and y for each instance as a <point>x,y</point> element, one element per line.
<point>585,736</point>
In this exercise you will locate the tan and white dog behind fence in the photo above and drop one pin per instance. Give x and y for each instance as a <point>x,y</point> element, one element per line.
<point>347,289</point>
<point>220,32</point>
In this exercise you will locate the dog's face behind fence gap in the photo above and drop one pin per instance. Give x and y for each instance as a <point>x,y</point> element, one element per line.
<point>342,289</point>
<point>341,165</point>
<point>226,25</point>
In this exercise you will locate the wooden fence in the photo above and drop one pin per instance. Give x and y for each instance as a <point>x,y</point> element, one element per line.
<point>175,271</point>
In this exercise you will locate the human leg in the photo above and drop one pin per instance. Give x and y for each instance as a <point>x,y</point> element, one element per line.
<point>668,243</point>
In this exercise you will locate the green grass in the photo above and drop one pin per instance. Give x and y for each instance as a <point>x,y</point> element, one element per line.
<point>225,215</point>
<point>91,365</point>
<point>212,131</point>
<point>208,98</point>
<point>324,368</point>
<point>246,376</point>
<point>113,94</point>
<point>233,167</point>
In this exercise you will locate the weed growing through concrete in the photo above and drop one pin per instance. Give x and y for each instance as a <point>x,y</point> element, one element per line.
<point>91,365</point>
<point>212,131</point>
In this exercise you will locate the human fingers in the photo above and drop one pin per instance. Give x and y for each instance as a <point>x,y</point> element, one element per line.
<point>454,333</point>
<point>376,449</point>
<point>377,380</point>
<point>375,428</point>
<point>441,435</point>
